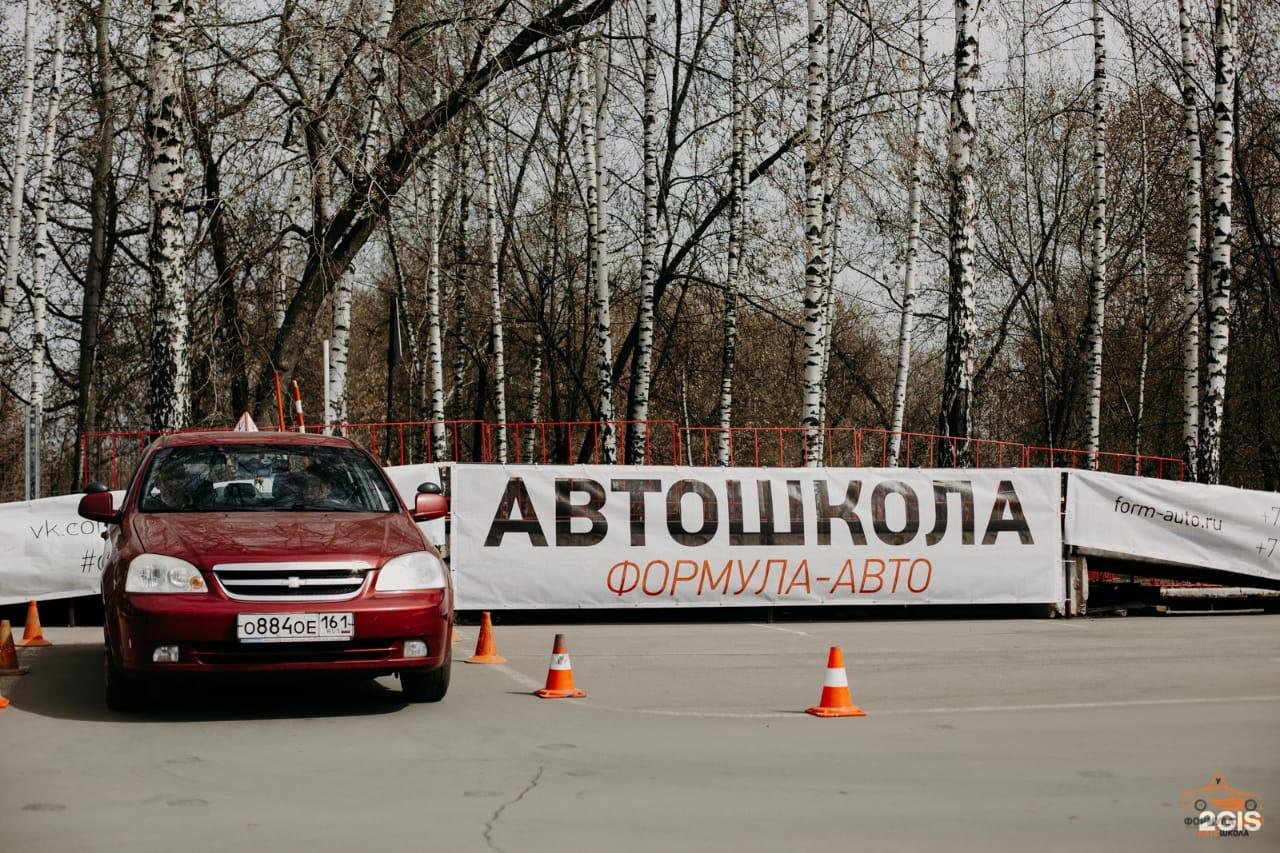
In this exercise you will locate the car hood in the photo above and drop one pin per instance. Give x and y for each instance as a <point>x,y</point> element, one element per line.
<point>209,538</point>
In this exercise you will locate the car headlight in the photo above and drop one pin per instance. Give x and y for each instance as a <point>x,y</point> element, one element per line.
<point>415,570</point>
<point>162,573</point>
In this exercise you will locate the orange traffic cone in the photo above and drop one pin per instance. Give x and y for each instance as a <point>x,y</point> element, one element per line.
<point>4,703</point>
<point>560,674</point>
<point>836,701</point>
<point>8,654</point>
<point>32,633</point>
<point>486,646</point>
<point>453,636</point>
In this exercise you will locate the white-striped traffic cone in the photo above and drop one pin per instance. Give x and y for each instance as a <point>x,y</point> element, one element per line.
<point>835,701</point>
<point>560,674</point>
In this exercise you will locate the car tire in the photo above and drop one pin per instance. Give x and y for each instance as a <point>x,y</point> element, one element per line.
<point>123,692</point>
<point>430,686</point>
<point>1201,805</point>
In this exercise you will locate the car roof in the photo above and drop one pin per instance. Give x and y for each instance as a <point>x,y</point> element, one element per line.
<point>269,437</point>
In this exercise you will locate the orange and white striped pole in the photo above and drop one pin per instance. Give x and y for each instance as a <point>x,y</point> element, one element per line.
<point>280,404</point>
<point>297,407</point>
<point>836,701</point>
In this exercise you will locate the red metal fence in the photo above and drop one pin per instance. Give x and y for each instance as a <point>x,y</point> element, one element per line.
<point>111,456</point>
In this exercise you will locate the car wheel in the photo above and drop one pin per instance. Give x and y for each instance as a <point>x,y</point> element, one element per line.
<point>123,692</point>
<point>1201,805</point>
<point>1250,805</point>
<point>430,686</point>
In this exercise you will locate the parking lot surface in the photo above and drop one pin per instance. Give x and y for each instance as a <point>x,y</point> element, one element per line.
<point>980,735</point>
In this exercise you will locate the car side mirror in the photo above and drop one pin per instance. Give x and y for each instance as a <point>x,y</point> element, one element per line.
<point>98,504</point>
<point>430,489</point>
<point>430,505</point>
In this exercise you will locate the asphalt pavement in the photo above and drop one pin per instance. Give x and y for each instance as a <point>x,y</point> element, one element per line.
<point>981,735</point>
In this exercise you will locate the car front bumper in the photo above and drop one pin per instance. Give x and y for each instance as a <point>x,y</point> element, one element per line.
<point>204,629</point>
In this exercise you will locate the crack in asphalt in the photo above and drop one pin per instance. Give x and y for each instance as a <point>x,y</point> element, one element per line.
<point>493,819</point>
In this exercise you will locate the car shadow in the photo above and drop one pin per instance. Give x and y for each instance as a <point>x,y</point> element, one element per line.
<point>65,682</point>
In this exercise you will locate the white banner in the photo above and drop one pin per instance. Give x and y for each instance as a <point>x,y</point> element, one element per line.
<point>48,551</point>
<point>634,536</point>
<point>1187,524</point>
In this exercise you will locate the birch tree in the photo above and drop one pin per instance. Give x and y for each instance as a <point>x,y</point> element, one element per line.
<point>435,348</point>
<point>165,132</point>
<point>535,398</point>
<point>956,417</point>
<point>489,167</point>
<point>830,226</point>
<point>1191,192</point>
<point>339,346</point>
<point>643,361</point>
<point>597,275</point>
<point>17,181</point>
<point>41,250</point>
<point>1219,320</point>
<point>602,61</point>
<point>906,321</point>
<point>814,270</point>
<point>1098,241</point>
<point>737,233</point>
<point>375,135</point>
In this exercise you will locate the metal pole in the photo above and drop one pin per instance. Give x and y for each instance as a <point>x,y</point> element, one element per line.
<point>328,407</point>
<point>37,433</point>
<point>26,453</point>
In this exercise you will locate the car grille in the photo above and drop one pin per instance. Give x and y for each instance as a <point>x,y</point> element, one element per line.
<point>317,581</point>
<point>360,651</point>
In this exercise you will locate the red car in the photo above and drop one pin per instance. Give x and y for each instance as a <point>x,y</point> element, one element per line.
<point>269,553</point>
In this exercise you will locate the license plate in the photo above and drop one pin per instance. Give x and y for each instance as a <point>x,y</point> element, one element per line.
<point>294,627</point>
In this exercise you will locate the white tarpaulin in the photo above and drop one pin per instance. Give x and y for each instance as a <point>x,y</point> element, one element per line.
<point>632,536</point>
<point>1187,524</point>
<point>48,551</point>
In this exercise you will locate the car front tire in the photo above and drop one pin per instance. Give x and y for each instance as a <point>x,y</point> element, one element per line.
<point>123,692</point>
<point>430,686</point>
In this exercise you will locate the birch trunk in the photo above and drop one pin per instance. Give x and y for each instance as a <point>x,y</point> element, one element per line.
<point>339,346</point>
<point>829,220</point>
<point>906,322</point>
<point>460,281</point>
<point>17,194</point>
<point>1098,242</point>
<point>375,135</point>
<point>737,233</point>
<point>495,286</point>
<point>587,121</point>
<point>640,378</point>
<point>830,227</point>
<point>322,191</point>
<point>41,249</point>
<point>435,348</point>
<point>165,131</point>
<point>600,259</point>
<point>957,390</point>
<point>814,269</point>
<point>1191,248</point>
<point>535,399</point>
<point>1219,322</point>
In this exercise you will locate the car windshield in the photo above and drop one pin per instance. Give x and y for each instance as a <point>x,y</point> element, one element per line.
<point>264,478</point>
